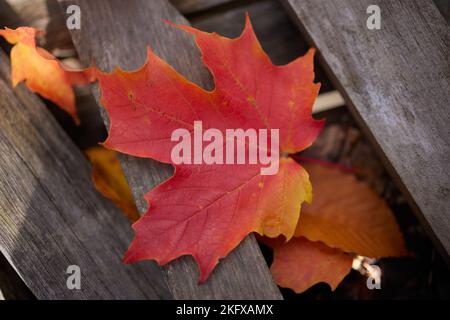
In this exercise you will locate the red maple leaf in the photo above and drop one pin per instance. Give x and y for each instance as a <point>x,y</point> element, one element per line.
<point>206,210</point>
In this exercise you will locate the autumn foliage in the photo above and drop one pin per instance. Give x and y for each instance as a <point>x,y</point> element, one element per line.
<point>346,218</point>
<point>41,71</point>
<point>110,180</point>
<point>207,210</point>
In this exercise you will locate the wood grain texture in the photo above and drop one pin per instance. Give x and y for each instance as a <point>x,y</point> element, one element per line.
<point>116,33</point>
<point>52,217</point>
<point>397,83</point>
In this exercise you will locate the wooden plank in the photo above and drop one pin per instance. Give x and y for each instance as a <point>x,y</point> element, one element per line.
<point>52,217</point>
<point>46,15</point>
<point>116,33</point>
<point>397,83</point>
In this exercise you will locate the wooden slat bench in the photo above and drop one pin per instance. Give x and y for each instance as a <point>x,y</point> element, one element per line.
<point>51,217</point>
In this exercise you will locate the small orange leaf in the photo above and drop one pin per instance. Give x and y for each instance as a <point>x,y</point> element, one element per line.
<point>110,181</point>
<point>42,72</point>
<point>347,214</point>
<point>300,263</point>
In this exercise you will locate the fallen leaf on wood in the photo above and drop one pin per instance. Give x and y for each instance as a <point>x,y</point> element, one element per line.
<point>207,210</point>
<point>347,214</point>
<point>300,263</point>
<point>346,218</point>
<point>110,181</point>
<point>41,71</point>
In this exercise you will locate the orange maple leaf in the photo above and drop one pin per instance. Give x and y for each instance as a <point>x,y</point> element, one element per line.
<point>300,264</point>
<point>42,72</point>
<point>347,214</point>
<point>346,218</point>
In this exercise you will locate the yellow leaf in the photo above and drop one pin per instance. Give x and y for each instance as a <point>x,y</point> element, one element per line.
<point>110,181</point>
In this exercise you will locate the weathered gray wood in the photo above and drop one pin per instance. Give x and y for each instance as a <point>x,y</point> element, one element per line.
<point>116,33</point>
<point>397,82</point>
<point>46,15</point>
<point>52,217</point>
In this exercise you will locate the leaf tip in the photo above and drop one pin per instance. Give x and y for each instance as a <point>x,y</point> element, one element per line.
<point>205,271</point>
<point>131,255</point>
